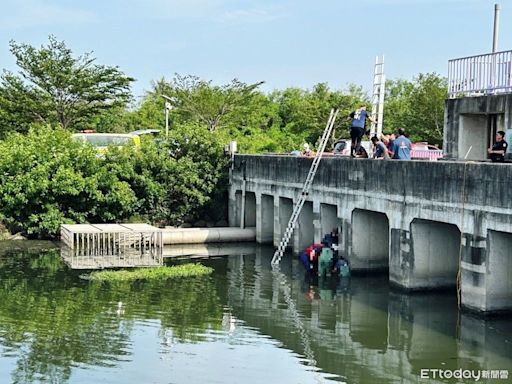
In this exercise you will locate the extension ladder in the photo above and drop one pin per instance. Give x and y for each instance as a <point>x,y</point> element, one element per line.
<point>305,189</point>
<point>379,83</point>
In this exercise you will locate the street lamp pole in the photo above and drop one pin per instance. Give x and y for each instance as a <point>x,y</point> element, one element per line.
<point>168,107</point>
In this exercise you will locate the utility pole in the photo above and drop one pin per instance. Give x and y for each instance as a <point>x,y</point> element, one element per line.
<point>496,31</point>
<point>168,107</point>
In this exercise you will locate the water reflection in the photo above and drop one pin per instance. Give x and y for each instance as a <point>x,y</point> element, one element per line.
<point>361,330</point>
<point>52,321</point>
<point>245,323</point>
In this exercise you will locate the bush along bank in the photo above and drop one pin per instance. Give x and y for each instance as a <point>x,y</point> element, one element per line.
<point>47,179</point>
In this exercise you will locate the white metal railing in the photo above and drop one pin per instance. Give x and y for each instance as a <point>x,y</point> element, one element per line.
<point>480,75</point>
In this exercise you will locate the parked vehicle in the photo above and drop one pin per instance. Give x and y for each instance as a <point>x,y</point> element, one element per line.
<point>342,147</point>
<point>142,132</point>
<point>101,141</point>
<point>424,151</point>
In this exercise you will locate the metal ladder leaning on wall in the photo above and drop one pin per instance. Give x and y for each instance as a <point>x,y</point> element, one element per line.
<point>379,84</point>
<point>305,189</point>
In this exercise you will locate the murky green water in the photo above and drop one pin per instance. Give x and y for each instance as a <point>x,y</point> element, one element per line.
<point>244,324</point>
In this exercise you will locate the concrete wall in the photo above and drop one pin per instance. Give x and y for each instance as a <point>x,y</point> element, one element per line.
<point>436,249</point>
<point>413,216</point>
<point>370,240</point>
<point>467,123</point>
<point>285,209</point>
<point>499,272</point>
<point>265,209</point>
<point>328,219</point>
<point>473,137</point>
<point>250,209</point>
<point>305,231</point>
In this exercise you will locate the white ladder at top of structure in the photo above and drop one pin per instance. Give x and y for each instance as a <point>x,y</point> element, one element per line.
<point>305,189</point>
<point>379,83</point>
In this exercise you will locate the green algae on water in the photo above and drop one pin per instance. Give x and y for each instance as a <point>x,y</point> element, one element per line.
<point>155,273</point>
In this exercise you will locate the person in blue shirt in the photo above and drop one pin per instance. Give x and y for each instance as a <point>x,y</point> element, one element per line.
<point>401,147</point>
<point>380,151</point>
<point>358,128</point>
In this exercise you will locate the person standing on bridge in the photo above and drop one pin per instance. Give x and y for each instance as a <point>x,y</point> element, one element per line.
<point>358,128</point>
<point>401,146</point>
<point>498,150</point>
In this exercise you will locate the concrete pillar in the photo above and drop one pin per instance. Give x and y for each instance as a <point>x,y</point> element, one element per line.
<point>317,222</point>
<point>235,202</point>
<point>400,257</point>
<point>370,240</point>
<point>432,257</point>
<point>305,230</point>
<point>250,209</point>
<point>329,218</point>
<point>345,236</point>
<point>285,209</point>
<point>498,285</point>
<point>473,271</point>
<point>265,219</point>
<point>277,223</point>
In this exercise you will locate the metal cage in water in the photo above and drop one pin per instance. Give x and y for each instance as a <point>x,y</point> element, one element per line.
<point>96,246</point>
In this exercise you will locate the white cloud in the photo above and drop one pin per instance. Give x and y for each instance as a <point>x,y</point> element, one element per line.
<point>34,13</point>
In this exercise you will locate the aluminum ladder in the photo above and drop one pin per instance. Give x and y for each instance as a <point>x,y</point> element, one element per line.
<point>379,83</point>
<point>305,189</point>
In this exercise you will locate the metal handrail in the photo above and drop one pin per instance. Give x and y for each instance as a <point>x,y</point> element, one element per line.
<point>482,54</point>
<point>480,75</point>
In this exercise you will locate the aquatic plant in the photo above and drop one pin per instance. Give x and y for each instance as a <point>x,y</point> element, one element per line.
<point>156,273</point>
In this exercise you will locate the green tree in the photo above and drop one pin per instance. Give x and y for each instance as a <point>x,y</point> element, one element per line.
<point>54,87</point>
<point>305,112</point>
<point>209,104</point>
<point>174,179</point>
<point>46,179</point>
<point>417,106</point>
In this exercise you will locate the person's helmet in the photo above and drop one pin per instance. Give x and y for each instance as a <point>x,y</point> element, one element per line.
<point>306,146</point>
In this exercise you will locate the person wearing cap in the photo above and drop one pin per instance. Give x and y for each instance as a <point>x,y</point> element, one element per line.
<point>307,151</point>
<point>498,150</point>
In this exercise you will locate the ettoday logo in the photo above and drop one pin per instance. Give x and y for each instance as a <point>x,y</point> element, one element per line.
<point>468,374</point>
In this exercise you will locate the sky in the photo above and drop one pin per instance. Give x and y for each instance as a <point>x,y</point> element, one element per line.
<point>285,43</point>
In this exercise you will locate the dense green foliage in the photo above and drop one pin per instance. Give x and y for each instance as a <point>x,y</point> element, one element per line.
<point>417,106</point>
<point>46,179</point>
<point>284,119</point>
<point>157,273</point>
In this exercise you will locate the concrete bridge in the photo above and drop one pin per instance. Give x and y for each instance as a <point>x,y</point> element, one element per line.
<point>424,221</point>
